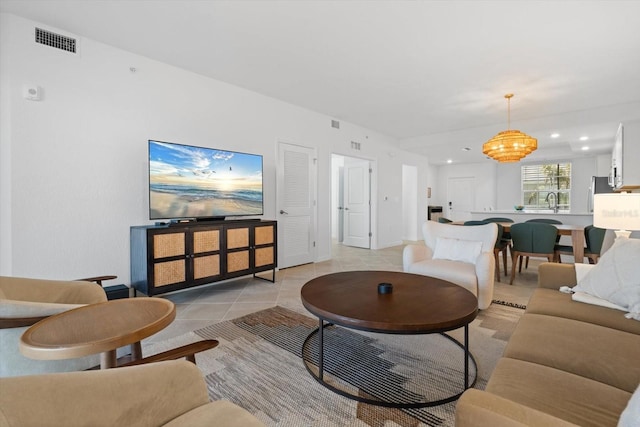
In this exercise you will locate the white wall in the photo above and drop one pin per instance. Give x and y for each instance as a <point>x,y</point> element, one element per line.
<point>74,165</point>
<point>485,179</point>
<point>603,165</point>
<point>499,185</point>
<point>509,190</point>
<point>409,202</point>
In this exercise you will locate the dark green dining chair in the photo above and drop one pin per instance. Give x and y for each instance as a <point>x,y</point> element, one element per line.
<point>594,238</point>
<point>543,221</point>
<point>531,239</point>
<point>444,220</point>
<point>474,222</point>
<point>506,235</point>
<point>500,246</point>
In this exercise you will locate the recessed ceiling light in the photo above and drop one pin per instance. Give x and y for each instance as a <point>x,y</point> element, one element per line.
<point>555,135</point>
<point>584,138</point>
<point>585,148</point>
<point>449,161</point>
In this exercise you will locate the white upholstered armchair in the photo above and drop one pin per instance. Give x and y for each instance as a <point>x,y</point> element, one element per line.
<point>25,301</point>
<point>458,254</point>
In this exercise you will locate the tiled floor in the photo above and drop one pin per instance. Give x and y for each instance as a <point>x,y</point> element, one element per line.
<point>204,305</point>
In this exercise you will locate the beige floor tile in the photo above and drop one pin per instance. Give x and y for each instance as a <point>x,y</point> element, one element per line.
<point>199,307</point>
<point>214,312</point>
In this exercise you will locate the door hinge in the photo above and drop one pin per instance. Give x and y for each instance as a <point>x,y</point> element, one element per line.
<point>314,244</point>
<point>370,234</point>
<point>370,170</point>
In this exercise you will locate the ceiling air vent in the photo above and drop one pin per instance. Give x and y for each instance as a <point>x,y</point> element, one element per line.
<point>58,41</point>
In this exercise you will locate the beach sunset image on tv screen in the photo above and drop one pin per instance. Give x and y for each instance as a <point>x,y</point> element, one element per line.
<point>197,182</point>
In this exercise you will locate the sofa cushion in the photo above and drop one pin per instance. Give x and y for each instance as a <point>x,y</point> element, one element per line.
<point>462,274</point>
<point>567,396</point>
<point>555,303</point>
<point>616,277</point>
<point>577,347</point>
<point>218,413</point>
<point>479,408</point>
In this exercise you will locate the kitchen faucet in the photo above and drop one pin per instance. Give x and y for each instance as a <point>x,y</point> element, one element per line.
<point>555,201</point>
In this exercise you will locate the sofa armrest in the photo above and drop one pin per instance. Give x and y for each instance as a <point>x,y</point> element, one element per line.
<point>481,408</point>
<point>553,275</point>
<point>485,272</point>
<point>414,253</point>
<point>146,395</point>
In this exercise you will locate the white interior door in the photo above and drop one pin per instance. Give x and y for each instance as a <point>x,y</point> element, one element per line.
<point>340,207</point>
<point>461,198</point>
<point>357,203</point>
<point>296,197</point>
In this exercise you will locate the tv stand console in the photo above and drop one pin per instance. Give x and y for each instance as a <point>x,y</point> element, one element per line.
<point>166,259</point>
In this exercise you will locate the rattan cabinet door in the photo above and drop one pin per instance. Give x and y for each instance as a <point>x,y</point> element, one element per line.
<point>206,253</point>
<point>168,258</point>
<point>265,250</point>
<point>238,249</point>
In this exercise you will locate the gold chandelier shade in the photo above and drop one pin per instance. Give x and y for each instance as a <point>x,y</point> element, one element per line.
<point>509,145</point>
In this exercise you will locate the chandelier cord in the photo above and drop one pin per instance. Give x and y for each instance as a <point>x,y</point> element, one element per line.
<point>509,96</point>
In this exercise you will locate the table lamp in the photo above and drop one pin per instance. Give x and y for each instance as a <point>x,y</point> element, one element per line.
<point>617,211</point>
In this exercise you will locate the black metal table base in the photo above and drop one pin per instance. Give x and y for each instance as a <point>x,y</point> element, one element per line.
<point>402,405</point>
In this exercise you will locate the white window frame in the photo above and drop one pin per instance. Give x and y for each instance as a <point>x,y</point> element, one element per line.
<point>538,180</point>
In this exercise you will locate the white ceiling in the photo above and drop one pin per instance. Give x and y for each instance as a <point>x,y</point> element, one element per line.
<point>430,73</point>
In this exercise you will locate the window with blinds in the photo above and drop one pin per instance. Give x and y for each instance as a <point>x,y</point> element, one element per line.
<point>542,183</point>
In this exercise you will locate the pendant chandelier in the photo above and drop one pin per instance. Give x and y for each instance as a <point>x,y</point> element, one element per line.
<point>509,145</point>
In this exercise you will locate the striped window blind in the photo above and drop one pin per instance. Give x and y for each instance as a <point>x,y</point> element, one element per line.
<point>538,181</point>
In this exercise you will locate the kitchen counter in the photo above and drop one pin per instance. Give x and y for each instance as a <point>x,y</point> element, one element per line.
<point>578,218</point>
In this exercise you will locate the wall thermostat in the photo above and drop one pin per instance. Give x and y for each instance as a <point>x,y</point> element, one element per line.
<point>32,93</point>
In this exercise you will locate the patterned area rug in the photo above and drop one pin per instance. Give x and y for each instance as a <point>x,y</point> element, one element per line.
<point>258,365</point>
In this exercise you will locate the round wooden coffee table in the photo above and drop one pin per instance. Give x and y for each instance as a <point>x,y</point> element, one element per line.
<point>98,328</point>
<point>416,305</point>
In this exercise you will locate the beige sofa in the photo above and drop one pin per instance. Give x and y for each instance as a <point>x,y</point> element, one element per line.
<point>567,363</point>
<point>438,258</point>
<point>168,394</point>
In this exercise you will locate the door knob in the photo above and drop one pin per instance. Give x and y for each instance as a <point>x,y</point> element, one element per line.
<point>283,212</point>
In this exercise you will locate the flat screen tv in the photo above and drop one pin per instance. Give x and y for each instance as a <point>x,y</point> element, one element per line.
<point>188,182</point>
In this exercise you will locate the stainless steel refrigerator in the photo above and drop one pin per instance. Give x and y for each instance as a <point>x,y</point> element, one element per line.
<point>599,184</point>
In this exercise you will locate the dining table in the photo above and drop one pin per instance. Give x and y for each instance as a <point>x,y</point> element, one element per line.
<point>575,231</point>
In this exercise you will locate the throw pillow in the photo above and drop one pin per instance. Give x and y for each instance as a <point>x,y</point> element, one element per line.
<point>616,277</point>
<point>582,270</point>
<point>631,414</point>
<point>457,250</point>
